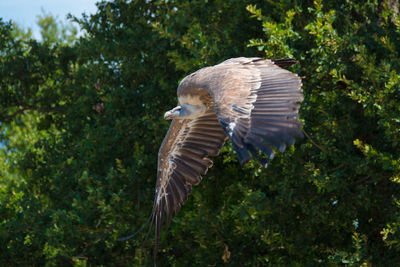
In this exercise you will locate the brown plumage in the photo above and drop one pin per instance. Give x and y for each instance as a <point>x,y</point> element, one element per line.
<point>252,101</point>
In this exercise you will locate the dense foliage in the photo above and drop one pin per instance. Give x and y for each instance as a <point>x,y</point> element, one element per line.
<point>81,123</point>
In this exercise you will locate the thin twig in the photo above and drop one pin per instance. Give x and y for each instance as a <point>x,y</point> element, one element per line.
<point>322,149</point>
<point>138,231</point>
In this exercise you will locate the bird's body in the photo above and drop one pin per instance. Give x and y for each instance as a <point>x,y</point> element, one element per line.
<point>251,101</point>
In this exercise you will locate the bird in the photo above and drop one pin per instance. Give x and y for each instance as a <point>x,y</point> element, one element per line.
<point>253,102</point>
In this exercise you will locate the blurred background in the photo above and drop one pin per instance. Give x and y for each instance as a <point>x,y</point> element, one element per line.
<point>81,120</point>
<point>26,13</point>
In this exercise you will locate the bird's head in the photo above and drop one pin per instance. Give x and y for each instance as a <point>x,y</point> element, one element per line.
<point>185,111</point>
<point>173,113</point>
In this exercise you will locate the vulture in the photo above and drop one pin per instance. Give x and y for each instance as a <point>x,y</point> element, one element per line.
<point>252,101</point>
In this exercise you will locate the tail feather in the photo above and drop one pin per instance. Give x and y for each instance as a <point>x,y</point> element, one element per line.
<point>284,62</point>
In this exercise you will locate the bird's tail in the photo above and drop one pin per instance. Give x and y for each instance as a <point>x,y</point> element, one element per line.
<point>284,62</point>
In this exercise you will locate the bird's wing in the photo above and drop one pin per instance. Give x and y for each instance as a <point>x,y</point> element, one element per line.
<point>256,103</point>
<point>182,160</point>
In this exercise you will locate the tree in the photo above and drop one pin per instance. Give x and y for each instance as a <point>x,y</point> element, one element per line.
<point>81,123</point>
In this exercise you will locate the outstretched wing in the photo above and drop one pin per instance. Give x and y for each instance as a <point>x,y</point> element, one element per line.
<point>182,160</point>
<point>257,104</point>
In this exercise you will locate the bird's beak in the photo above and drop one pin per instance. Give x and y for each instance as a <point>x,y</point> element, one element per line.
<point>171,114</point>
<point>168,115</point>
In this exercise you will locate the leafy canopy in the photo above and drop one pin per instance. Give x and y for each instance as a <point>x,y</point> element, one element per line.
<point>81,123</point>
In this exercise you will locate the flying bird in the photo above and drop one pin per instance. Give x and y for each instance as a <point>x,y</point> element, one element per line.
<point>252,101</point>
